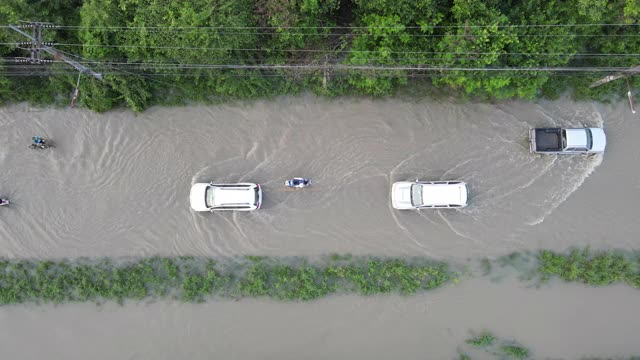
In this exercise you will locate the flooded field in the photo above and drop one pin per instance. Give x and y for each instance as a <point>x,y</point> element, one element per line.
<point>562,322</point>
<point>117,184</point>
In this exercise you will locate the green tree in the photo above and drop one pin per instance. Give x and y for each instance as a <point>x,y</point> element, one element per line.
<point>392,34</point>
<point>478,35</point>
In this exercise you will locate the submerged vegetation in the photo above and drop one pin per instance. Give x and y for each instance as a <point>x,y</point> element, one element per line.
<point>591,268</point>
<point>484,339</point>
<point>195,279</point>
<point>290,279</point>
<point>487,344</point>
<point>515,352</point>
<point>175,52</point>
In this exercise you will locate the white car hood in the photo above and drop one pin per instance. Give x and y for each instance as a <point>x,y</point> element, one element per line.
<point>401,195</point>
<point>197,197</point>
<point>599,140</point>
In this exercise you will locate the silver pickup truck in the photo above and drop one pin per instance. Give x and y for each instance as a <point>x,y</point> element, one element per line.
<point>567,141</point>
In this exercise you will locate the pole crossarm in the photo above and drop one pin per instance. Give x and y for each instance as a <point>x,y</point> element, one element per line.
<point>38,45</point>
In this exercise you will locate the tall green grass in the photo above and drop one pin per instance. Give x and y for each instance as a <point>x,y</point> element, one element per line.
<point>482,340</point>
<point>515,352</point>
<point>195,279</point>
<point>591,268</point>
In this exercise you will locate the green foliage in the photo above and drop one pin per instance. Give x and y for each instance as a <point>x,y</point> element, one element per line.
<point>596,269</point>
<point>478,47</point>
<point>168,52</point>
<point>196,279</point>
<point>482,340</point>
<point>491,345</point>
<point>392,34</point>
<point>515,352</point>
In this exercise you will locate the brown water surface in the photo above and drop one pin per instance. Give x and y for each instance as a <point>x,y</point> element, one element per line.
<point>117,184</point>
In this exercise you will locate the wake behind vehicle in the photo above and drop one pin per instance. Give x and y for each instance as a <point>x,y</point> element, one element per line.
<point>238,197</point>
<point>406,195</point>
<point>567,141</point>
<point>298,183</point>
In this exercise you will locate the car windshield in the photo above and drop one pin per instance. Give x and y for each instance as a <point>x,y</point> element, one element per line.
<point>416,195</point>
<point>257,201</point>
<point>209,196</point>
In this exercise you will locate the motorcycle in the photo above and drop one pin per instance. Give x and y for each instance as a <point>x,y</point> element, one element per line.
<point>40,143</point>
<point>298,183</point>
<point>40,146</point>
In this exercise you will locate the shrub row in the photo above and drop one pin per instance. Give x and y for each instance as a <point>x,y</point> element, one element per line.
<point>170,52</point>
<point>591,268</point>
<point>194,279</point>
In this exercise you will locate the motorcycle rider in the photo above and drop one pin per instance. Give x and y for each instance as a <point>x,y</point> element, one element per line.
<point>298,182</point>
<point>39,141</point>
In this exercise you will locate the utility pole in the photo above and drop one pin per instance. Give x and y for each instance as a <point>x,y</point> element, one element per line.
<point>608,78</point>
<point>36,46</point>
<point>622,74</point>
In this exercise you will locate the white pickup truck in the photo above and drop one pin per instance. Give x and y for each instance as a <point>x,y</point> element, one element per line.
<point>567,141</point>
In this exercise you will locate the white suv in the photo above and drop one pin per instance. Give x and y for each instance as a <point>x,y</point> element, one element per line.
<point>407,195</point>
<point>239,197</point>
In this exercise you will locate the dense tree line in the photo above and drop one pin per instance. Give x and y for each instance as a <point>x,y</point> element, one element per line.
<point>166,51</point>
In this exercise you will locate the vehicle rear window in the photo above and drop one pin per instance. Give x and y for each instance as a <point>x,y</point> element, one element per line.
<point>209,196</point>
<point>416,195</point>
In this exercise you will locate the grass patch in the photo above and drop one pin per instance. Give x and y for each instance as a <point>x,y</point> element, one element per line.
<point>486,343</point>
<point>196,279</point>
<point>482,340</point>
<point>591,268</point>
<point>515,352</point>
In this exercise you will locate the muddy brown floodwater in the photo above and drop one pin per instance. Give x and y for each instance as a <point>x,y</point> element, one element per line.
<point>117,184</point>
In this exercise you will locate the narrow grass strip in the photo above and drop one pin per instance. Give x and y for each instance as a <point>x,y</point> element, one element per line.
<point>196,279</point>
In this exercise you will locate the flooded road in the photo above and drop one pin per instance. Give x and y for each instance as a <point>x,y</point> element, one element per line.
<point>562,322</point>
<point>117,184</point>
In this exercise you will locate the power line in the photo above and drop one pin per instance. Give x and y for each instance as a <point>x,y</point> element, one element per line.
<point>430,35</point>
<point>335,66</point>
<point>485,75</point>
<point>344,67</point>
<point>38,46</point>
<point>330,51</point>
<point>341,27</point>
<point>232,33</point>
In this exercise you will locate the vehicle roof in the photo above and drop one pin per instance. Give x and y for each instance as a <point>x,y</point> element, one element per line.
<point>233,194</point>
<point>576,138</point>
<point>434,193</point>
